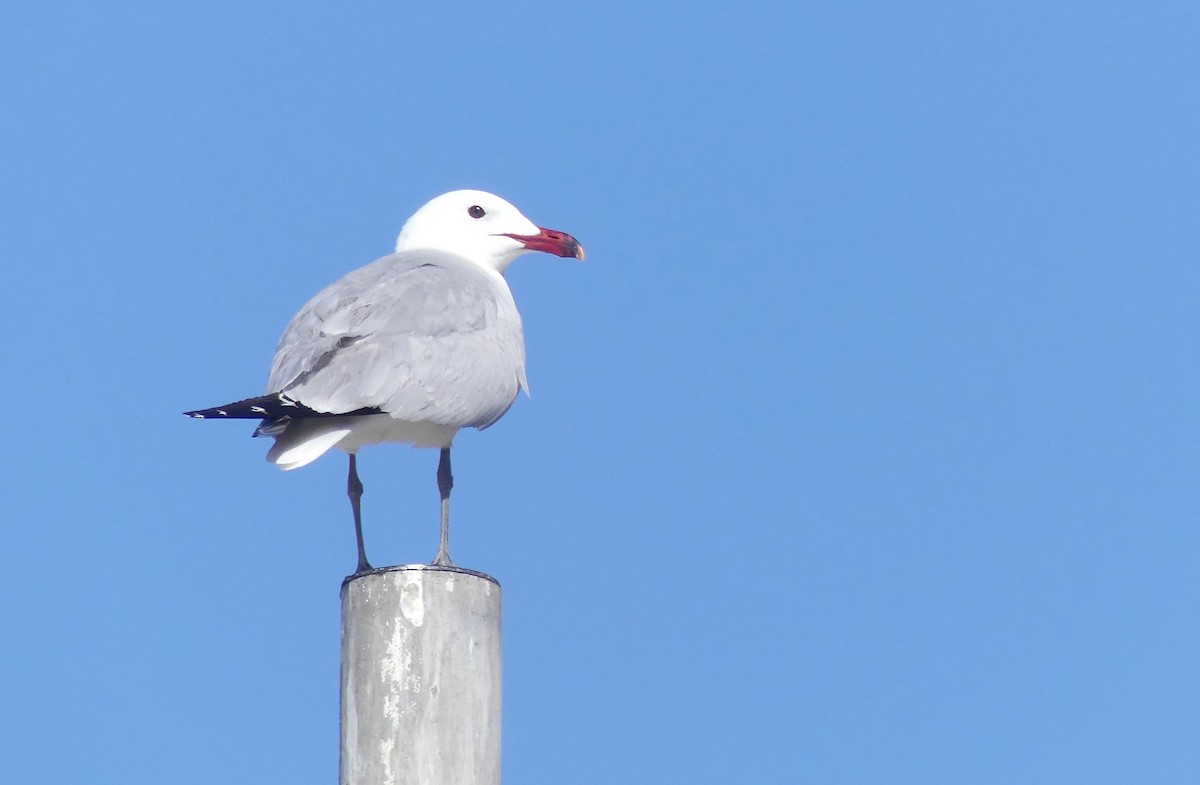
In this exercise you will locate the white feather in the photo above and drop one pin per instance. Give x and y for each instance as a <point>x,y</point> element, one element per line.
<point>304,441</point>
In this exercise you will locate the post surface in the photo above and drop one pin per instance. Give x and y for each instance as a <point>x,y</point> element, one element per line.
<point>420,677</point>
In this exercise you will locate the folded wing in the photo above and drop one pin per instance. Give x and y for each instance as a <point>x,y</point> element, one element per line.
<point>422,336</point>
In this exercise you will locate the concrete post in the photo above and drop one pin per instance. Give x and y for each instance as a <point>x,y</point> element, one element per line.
<point>420,677</point>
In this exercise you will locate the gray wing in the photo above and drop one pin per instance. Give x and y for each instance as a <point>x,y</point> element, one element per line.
<point>421,335</point>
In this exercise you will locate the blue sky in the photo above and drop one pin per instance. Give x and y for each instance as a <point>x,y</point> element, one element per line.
<point>864,447</point>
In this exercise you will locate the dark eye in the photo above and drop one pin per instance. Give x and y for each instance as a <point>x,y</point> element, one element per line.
<point>475,211</point>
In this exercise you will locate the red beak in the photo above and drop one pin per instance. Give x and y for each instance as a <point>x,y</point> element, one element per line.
<point>551,241</point>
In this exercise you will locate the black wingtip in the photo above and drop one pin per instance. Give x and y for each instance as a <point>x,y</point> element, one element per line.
<point>262,407</point>
<point>275,406</point>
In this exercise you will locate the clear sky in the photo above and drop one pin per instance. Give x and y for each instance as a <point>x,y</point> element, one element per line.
<point>864,448</point>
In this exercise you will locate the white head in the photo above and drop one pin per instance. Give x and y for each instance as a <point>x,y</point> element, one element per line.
<point>481,227</point>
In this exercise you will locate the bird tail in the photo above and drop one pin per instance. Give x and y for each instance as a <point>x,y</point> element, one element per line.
<point>304,440</point>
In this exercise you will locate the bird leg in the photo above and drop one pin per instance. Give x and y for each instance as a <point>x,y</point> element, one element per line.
<point>354,488</point>
<point>445,483</point>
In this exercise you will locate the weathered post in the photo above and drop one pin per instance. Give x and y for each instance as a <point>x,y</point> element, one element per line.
<point>420,677</point>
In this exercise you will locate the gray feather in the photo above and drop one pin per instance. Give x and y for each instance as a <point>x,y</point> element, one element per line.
<point>421,335</point>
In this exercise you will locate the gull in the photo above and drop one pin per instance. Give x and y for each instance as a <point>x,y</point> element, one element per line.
<point>410,348</point>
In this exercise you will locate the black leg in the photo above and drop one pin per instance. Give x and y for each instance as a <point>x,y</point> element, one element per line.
<point>354,488</point>
<point>445,483</point>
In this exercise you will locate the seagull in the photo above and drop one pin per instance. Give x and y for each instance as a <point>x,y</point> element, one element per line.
<point>410,348</point>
